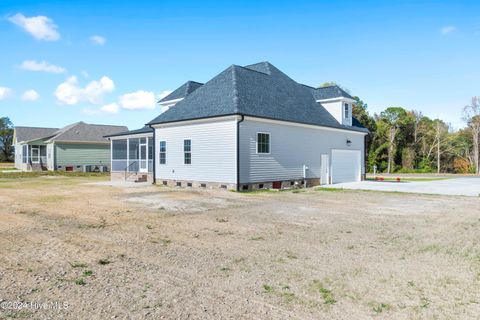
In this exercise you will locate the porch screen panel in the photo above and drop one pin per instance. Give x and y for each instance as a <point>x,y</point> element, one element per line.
<point>119,155</point>
<point>133,156</point>
<point>150,154</point>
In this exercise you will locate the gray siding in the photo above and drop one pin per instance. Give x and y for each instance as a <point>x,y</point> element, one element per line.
<point>80,154</point>
<point>291,147</point>
<point>213,151</point>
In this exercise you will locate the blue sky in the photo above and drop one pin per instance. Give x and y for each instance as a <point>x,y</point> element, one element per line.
<point>107,61</point>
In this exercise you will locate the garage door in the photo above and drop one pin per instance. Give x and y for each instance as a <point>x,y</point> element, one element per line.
<point>346,166</point>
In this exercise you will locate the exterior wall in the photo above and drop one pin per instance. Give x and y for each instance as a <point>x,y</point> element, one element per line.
<point>81,154</point>
<point>213,151</point>
<point>50,156</point>
<point>336,109</point>
<point>18,156</point>
<point>291,147</point>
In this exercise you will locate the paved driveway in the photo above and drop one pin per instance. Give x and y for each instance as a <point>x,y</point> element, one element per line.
<point>459,186</point>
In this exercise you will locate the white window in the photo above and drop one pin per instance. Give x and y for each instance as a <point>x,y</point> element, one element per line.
<point>163,152</point>
<point>263,142</point>
<point>187,151</point>
<point>347,111</point>
<point>24,153</point>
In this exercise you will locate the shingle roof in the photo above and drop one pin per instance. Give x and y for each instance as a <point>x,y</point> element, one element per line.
<point>145,129</point>
<point>182,91</point>
<point>33,133</point>
<point>329,92</point>
<point>258,90</point>
<point>85,132</point>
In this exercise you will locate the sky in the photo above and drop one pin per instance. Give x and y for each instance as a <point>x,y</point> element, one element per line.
<point>108,62</point>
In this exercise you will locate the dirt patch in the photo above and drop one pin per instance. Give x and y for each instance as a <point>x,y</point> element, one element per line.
<point>153,252</point>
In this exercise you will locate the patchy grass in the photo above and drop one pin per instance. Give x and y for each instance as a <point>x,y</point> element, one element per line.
<point>34,174</point>
<point>268,288</point>
<point>327,294</point>
<point>88,273</point>
<point>77,264</point>
<point>330,189</point>
<point>381,307</point>
<point>80,282</point>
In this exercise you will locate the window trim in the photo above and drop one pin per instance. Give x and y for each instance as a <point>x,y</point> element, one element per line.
<point>36,147</point>
<point>184,152</point>
<point>269,143</point>
<point>160,152</point>
<point>346,111</point>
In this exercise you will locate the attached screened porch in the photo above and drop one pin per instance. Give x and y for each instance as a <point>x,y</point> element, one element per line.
<point>132,155</point>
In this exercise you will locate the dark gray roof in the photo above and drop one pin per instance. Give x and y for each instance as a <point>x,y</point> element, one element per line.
<point>145,129</point>
<point>182,91</point>
<point>329,92</point>
<point>85,132</point>
<point>33,133</point>
<point>259,90</point>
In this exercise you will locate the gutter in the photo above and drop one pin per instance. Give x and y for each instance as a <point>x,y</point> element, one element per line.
<point>238,150</point>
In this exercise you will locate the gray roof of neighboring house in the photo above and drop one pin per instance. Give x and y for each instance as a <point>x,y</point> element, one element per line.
<point>33,133</point>
<point>328,92</point>
<point>182,91</point>
<point>258,90</point>
<point>85,132</point>
<point>145,129</point>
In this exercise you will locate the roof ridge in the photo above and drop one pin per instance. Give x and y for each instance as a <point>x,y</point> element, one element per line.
<point>35,127</point>
<point>235,89</point>
<point>248,69</point>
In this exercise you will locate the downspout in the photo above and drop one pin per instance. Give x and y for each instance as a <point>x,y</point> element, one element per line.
<point>238,150</point>
<point>154,159</point>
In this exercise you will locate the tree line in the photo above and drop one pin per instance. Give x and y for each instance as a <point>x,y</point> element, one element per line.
<point>406,141</point>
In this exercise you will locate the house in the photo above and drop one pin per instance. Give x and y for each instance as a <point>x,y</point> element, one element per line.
<point>253,127</point>
<point>76,147</point>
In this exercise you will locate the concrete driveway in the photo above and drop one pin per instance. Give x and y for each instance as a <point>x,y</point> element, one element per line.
<point>468,186</point>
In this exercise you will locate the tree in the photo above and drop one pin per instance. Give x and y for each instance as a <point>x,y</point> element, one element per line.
<point>392,119</point>
<point>471,115</point>
<point>6,139</point>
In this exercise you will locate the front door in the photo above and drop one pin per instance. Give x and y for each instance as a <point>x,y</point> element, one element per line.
<point>324,174</point>
<point>143,157</point>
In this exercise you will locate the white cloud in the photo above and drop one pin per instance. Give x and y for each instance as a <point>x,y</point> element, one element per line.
<point>30,95</point>
<point>40,27</point>
<point>137,100</point>
<point>448,30</point>
<point>98,40</point>
<point>110,108</point>
<point>32,65</point>
<point>69,92</point>
<point>4,92</point>
<point>85,74</point>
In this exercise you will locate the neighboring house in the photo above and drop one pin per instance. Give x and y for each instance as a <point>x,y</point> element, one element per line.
<point>254,127</point>
<point>76,147</point>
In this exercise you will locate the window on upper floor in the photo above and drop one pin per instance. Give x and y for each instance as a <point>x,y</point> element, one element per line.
<point>263,142</point>
<point>347,111</point>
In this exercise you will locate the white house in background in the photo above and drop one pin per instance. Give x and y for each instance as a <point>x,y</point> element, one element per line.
<point>248,128</point>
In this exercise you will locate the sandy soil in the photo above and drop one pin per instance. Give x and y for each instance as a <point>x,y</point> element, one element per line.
<point>103,252</point>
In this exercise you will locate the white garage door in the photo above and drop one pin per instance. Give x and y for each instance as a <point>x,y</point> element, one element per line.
<point>346,166</point>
